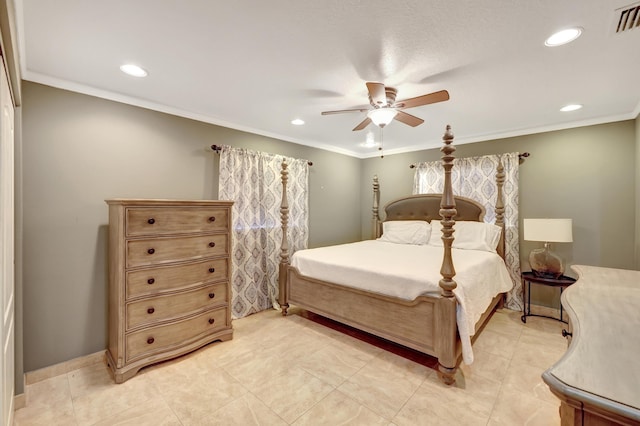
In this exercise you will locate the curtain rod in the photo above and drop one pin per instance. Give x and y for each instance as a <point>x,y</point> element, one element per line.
<point>521,157</point>
<point>217,149</point>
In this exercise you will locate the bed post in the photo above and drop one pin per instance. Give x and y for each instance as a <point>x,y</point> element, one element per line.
<point>446,314</point>
<point>376,202</point>
<point>284,249</point>
<point>500,177</point>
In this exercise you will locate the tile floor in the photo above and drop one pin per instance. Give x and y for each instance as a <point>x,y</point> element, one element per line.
<point>279,371</point>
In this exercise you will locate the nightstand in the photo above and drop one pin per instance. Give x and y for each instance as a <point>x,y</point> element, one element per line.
<point>529,278</point>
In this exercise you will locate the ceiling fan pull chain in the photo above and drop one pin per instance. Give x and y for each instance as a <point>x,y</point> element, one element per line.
<point>381,147</point>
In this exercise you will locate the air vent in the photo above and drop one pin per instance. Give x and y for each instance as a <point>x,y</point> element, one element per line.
<point>628,18</point>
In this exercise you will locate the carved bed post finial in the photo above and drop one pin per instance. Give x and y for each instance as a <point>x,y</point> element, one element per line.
<point>448,212</point>
<point>376,203</point>
<point>284,248</point>
<point>446,308</point>
<point>500,178</point>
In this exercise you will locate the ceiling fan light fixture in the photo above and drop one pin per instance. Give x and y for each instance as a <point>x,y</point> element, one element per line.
<point>382,116</point>
<point>563,37</point>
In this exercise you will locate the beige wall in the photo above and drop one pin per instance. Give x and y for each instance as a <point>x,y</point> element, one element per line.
<point>79,150</point>
<point>587,174</point>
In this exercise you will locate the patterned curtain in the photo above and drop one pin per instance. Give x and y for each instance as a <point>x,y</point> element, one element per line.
<point>252,180</point>
<point>475,178</point>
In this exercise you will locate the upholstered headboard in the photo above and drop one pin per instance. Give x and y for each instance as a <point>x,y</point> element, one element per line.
<point>427,207</point>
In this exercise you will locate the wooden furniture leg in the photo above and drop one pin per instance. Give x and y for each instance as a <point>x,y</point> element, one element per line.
<point>447,358</point>
<point>283,299</point>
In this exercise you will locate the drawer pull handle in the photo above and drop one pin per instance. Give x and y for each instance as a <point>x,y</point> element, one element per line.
<point>151,221</point>
<point>212,270</point>
<point>566,333</point>
<point>150,310</point>
<point>150,340</point>
<point>212,244</point>
<point>151,281</point>
<point>151,251</point>
<point>212,219</point>
<point>211,320</point>
<point>212,295</point>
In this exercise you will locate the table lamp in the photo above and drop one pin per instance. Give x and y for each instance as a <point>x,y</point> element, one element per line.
<point>545,263</point>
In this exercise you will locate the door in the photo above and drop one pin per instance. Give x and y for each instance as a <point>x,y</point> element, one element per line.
<point>6,249</point>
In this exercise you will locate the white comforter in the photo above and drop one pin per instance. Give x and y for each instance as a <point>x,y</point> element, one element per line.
<point>407,271</point>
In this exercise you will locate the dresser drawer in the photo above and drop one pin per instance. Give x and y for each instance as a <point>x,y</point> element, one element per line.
<point>158,280</point>
<point>175,220</point>
<point>167,250</point>
<point>170,307</point>
<point>163,338</point>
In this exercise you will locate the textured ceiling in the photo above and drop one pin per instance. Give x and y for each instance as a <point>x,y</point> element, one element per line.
<point>256,65</point>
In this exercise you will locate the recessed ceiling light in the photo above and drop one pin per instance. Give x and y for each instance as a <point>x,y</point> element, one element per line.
<point>370,141</point>
<point>297,122</point>
<point>133,70</point>
<point>571,107</point>
<point>563,37</point>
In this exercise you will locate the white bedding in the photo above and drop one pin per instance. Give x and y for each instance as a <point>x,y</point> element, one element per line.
<point>407,271</point>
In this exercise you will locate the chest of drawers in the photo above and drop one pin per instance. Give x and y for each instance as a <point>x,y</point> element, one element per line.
<point>169,275</point>
<point>598,378</point>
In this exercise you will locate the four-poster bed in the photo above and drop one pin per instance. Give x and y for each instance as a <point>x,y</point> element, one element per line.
<point>438,320</point>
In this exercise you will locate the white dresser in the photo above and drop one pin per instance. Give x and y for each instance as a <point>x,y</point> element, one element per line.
<point>598,379</point>
<point>169,280</point>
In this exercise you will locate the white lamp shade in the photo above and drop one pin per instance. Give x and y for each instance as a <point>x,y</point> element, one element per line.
<point>548,230</point>
<point>382,116</point>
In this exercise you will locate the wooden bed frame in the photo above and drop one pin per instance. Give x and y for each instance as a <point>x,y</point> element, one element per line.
<point>428,323</point>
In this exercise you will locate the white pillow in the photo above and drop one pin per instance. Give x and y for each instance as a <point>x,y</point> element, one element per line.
<point>406,232</point>
<point>468,235</point>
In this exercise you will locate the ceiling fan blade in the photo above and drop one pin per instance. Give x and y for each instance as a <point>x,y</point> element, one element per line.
<point>344,110</point>
<point>377,93</point>
<point>431,98</point>
<point>409,119</point>
<point>362,125</point>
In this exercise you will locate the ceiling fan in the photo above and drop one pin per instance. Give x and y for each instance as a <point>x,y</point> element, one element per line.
<point>385,107</point>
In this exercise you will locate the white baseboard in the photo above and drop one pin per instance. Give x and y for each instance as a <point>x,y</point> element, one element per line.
<point>545,310</point>
<point>63,367</point>
<point>19,401</point>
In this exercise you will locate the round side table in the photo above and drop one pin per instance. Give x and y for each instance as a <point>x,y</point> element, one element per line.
<point>529,278</point>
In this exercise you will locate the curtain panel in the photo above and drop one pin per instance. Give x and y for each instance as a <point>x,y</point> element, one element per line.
<point>252,180</point>
<point>475,178</point>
